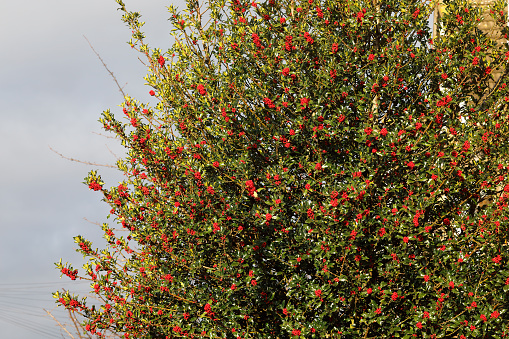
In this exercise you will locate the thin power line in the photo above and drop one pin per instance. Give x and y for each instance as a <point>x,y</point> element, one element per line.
<point>28,326</point>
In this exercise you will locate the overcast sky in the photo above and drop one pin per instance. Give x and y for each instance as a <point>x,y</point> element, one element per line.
<point>52,91</point>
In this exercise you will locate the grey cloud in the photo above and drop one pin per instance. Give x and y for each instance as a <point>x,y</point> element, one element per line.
<point>52,91</point>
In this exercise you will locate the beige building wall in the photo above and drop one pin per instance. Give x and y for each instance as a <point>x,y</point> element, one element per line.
<point>487,24</point>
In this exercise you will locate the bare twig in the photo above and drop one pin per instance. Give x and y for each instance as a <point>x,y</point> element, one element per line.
<point>106,136</point>
<point>80,161</point>
<point>121,89</point>
<point>92,222</point>
<point>116,156</point>
<point>59,324</point>
<point>77,325</point>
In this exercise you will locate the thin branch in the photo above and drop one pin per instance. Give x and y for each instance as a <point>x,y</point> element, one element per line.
<point>80,161</point>
<point>76,324</point>
<point>92,222</point>
<point>116,156</point>
<point>121,89</point>
<point>106,136</point>
<point>59,324</point>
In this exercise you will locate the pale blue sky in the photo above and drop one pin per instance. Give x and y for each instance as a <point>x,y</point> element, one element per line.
<point>52,91</point>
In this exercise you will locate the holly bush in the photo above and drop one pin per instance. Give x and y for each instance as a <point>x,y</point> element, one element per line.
<point>312,169</point>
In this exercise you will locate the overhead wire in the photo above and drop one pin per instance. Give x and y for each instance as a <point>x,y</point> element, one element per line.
<point>28,326</point>
<point>20,304</point>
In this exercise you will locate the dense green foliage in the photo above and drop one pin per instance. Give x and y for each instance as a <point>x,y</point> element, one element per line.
<point>312,169</point>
